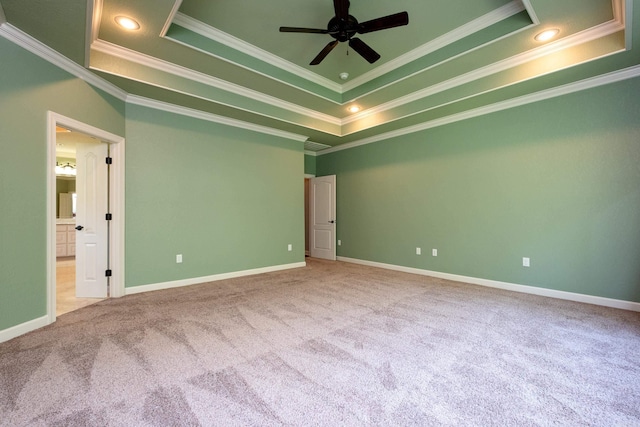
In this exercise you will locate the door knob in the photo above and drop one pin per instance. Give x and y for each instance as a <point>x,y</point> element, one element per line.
<point>79,227</point>
<point>332,222</point>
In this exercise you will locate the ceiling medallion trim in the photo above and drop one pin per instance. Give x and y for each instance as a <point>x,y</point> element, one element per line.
<point>179,71</point>
<point>219,36</point>
<point>590,83</point>
<point>210,117</point>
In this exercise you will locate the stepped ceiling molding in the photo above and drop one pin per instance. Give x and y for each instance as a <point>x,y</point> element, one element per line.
<point>226,61</point>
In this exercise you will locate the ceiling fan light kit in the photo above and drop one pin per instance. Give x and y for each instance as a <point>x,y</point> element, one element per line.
<point>343,27</point>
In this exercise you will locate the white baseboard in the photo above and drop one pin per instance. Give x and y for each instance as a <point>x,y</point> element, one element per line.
<point>215,277</point>
<point>23,328</point>
<point>552,293</point>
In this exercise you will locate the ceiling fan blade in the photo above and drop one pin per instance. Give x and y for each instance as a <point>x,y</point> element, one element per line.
<point>391,21</point>
<point>341,8</point>
<point>364,50</point>
<point>328,48</point>
<point>302,30</point>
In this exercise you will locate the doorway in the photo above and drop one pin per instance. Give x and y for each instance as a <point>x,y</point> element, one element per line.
<point>70,180</point>
<point>69,139</point>
<point>320,218</point>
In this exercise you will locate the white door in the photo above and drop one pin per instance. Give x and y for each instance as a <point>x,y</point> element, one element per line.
<point>322,201</point>
<point>91,224</point>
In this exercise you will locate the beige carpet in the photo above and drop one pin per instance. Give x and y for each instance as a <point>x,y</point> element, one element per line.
<point>330,344</point>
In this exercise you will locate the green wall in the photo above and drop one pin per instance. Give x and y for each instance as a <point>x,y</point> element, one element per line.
<point>29,87</point>
<point>309,164</point>
<point>227,199</point>
<point>557,181</point>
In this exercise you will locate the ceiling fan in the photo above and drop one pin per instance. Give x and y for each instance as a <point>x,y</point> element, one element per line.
<point>342,27</point>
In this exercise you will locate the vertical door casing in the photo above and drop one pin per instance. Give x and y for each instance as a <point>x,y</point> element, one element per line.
<point>92,239</point>
<point>322,208</point>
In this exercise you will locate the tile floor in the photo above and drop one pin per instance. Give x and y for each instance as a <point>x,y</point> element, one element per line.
<point>66,300</point>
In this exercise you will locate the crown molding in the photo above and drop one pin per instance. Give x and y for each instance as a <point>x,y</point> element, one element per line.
<point>254,51</point>
<point>180,71</point>
<point>170,18</point>
<point>310,153</point>
<point>197,114</point>
<point>579,38</point>
<point>459,33</point>
<point>36,47</point>
<point>593,82</point>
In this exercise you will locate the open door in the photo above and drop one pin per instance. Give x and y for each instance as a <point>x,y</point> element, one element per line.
<point>322,201</point>
<point>91,225</point>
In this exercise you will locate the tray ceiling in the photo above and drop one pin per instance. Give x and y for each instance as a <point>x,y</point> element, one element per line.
<point>227,57</point>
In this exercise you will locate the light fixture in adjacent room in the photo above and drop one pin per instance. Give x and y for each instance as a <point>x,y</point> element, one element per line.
<point>65,169</point>
<point>127,23</point>
<point>547,35</point>
<point>354,109</point>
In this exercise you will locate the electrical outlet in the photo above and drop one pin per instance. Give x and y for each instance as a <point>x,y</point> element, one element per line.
<point>418,251</point>
<point>179,259</point>
<point>289,247</point>
<point>339,242</point>
<point>434,252</point>
<point>526,262</point>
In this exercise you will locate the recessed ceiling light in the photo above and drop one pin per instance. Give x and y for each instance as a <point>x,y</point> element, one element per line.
<point>127,23</point>
<point>344,76</point>
<point>547,35</point>
<point>354,109</point>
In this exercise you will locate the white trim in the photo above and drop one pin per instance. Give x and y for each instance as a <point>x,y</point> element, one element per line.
<point>170,18</point>
<point>23,328</point>
<point>3,18</point>
<point>34,46</point>
<point>613,77</point>
<point>197,114</point>
<point>533,290</point>
<point>116,240</point>
<point>309,175</point>
<point>219,36</point>
<point>180,71</point>
<point>95,20</point>
<point>213,278</point>
<point>94,16</point>
<point>532,13</point>
<point>310,153</point>
<point>579,38</point>
<point>453,36</point>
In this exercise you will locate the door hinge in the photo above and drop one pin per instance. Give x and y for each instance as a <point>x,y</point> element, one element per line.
<point>108,217</point>
<point>109,160</point>
<point>107,273</point>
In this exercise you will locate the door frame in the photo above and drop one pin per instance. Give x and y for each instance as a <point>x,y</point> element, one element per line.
<point>116,187</point>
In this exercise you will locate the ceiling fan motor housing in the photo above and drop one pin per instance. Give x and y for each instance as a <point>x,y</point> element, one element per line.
<point>342,30</point>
